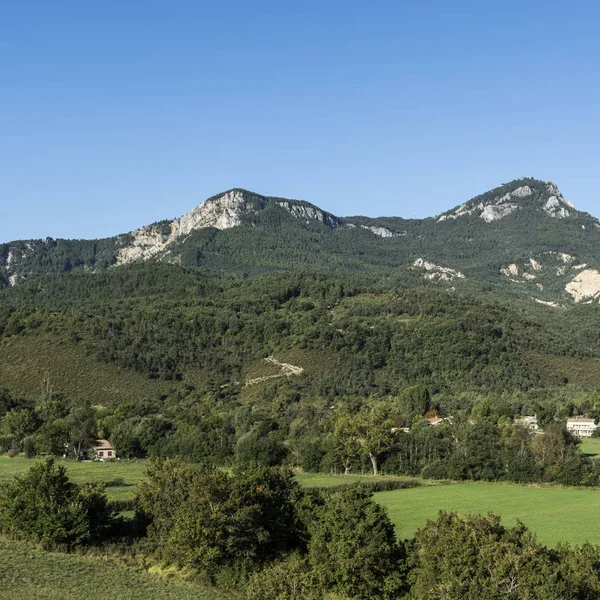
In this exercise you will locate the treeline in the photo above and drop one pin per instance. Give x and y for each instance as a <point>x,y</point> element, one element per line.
<point>255,531</point>
<point>355,435</point>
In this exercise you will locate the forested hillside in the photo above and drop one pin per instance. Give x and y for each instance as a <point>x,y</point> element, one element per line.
<point>521,239</point>
<point>177,360</point>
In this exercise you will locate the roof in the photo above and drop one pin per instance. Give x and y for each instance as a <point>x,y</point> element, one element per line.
<point>103,445</point>
<point>580,420</point>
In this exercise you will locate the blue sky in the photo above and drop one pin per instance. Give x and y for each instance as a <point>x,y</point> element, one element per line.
<point>118,114</point>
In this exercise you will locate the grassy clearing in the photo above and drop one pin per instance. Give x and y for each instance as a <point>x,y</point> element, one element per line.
<point>26,572</point>
<point>131,472</point>
<point>554,513</point>
<point>26,361</point>
<point>591,447</point>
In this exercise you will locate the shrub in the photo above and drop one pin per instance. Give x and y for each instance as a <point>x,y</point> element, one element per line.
<point>45,506</point>
<point>289,579</point>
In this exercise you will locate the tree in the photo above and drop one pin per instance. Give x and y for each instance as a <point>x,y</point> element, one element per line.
<point>346,435</point>
<point>366,434</point>
<point>476,557</point>
<point>81,426</point>
<point>352,548</point>
<point>18,423</point>
<point>45,506</point>
<point>207,519</point>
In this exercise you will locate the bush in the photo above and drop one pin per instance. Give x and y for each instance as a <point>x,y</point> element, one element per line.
<point>209,520</point>
<point>289,579</point>
<point>29,446</point>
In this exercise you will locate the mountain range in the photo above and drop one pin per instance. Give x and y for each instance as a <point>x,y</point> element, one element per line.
<point>522,238</point>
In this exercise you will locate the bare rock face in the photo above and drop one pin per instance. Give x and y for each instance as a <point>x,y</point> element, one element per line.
<point>495,213</point>
<point>585,286</point>
<point>382,231</point>
<point>222,212</point>
<point>510,271</point>
<point>556,205</point>
<point>309,213</point>
<point>437,273</point>
<point>495,210</point>
<point>535,265</point>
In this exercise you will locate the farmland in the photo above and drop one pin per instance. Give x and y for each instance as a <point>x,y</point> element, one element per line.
<point>553,513</point>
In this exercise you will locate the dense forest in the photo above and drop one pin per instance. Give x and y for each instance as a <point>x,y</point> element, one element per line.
<point>203,370</point>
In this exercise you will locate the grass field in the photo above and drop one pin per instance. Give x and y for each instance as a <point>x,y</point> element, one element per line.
<point>554,513</point>
<point>27,573</point>
<point>130,471</point>
<point>590,446</point>
<point>133,472</point>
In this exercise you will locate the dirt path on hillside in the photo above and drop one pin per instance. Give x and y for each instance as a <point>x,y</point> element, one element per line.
<point>287,370</point>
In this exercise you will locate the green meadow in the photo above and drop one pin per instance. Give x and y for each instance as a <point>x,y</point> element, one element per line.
<point>32,574</point>
<point>590,446</point>
<point>126,473</point>
<point>553,513</point>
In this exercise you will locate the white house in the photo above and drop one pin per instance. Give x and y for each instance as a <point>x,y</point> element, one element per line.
<point>527,422</point>
<point>581,427</point>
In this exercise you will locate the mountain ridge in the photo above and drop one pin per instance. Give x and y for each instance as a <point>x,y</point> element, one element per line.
<point>492,237</point>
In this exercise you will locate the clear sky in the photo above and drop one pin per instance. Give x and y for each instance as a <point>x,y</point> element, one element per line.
<point>115,114</point>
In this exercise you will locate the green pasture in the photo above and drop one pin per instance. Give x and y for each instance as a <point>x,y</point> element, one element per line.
<point>33,574</point>
<point>590,446</point>
<point>553,513</point>
<point>131,472</point>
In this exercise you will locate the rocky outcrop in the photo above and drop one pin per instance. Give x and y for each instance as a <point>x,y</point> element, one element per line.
<point>585,286</point>
<point>222,212</point>
<point>552,203</point>
<point>510,271</point>
<point>495,210</point>
<point>495,213</point>
<point>437,273</point>
<point>310,213</point>
<point>382,231</point>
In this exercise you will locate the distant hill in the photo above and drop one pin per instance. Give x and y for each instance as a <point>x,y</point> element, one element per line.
<point>521,239</point>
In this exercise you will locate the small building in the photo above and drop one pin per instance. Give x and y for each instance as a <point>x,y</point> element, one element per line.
<point>437,420</point>
<point>103,450</point>
<point>581,426</point>
<point>528,422</point>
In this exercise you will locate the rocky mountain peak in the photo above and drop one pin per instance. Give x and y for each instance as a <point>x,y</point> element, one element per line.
<point>514,196</point>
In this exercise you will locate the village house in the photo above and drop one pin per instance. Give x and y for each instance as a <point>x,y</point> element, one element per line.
<point>581,426</point>
<point>103,450</point>
<point>437,420</point>
<point>528,422</point>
